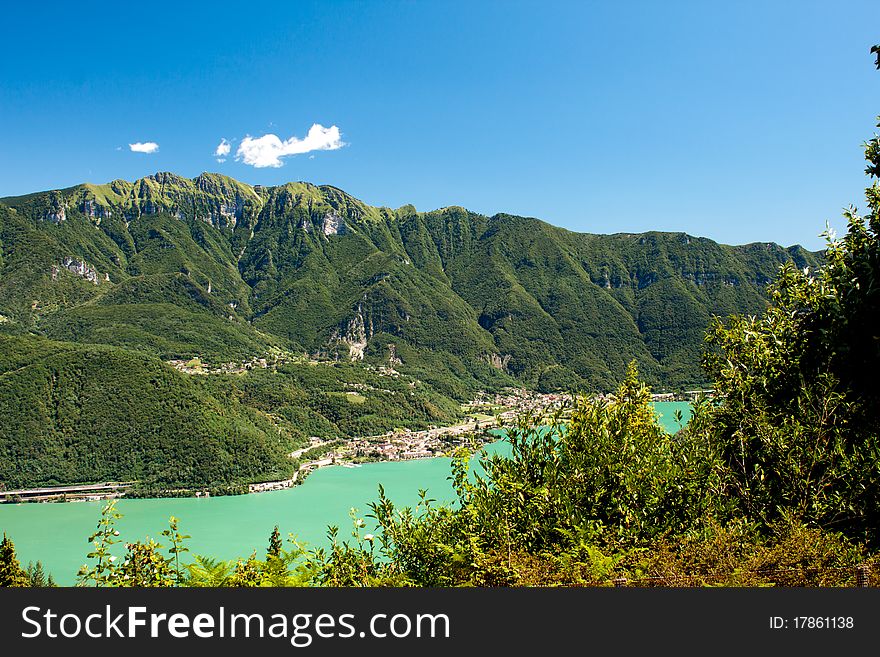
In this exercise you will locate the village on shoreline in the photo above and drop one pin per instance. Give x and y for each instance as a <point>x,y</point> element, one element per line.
<point>484,413</point>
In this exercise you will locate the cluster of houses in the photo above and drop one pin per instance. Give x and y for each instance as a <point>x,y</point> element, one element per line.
<point>514,401</point>
<point>405,445</point>
<point>484,412</point>
<point>196,366</point>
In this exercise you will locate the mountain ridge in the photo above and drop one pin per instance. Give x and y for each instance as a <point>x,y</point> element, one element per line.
<point>202,180</point>
<point>327,274</point>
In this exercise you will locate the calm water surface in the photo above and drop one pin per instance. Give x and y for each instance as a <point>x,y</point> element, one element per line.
<point>230,527</point>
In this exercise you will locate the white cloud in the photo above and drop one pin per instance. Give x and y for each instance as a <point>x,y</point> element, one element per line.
<point>222,150</point>
<point>267,151</point>
<point>144,147</point>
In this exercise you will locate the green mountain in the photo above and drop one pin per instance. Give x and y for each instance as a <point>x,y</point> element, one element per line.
<point>170,268</point>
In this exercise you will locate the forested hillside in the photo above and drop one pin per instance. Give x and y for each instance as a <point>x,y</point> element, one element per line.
<point>80,413</point>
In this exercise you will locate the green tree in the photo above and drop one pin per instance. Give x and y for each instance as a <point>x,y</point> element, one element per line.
<point>274,549</point>
<point>145,567</point>
<point>798,427</point>
<point>37,576</point>
<point>11,572</point>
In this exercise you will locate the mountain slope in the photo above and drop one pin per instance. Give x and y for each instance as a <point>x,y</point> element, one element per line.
<point>220,269</point>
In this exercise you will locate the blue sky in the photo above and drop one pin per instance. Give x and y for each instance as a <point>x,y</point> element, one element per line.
<point>738,121</point>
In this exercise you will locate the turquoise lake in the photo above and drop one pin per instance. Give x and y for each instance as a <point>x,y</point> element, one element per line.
<point>230,527</point>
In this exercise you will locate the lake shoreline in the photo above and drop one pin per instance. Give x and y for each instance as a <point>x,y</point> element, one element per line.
<point>233,526</point>
<point>412,441</point>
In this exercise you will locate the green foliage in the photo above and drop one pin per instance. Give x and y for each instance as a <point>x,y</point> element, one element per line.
<point>274,549</point>
<point>208,572</point>
<point>11,572</point>
<point>177,547</point>
<point>37,577</point>
<point>282,567</point>
<point>736,554</point>
<point>355,564</point>
<point>103,572</point>
<point>144,567</point>
<point>162,329</point>
<point>798,425</point>
<point>246,574</point>
<point>146,563</point>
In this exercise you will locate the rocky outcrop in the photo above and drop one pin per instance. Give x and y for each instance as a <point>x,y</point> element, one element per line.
<point>56,216</point>
<point>78,267</point>
<point>393,359</point>
<point>214,199</point>
<point>355,334</point>
<point>701,278</point>
<point>55,212</point>
<point>498,361</point>
<point>211,198</point>
<point>229,213</point>
<point>94,210</point>
<point>333,224</point>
